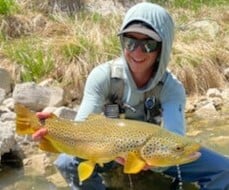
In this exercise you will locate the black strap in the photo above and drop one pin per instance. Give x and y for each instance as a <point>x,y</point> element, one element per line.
<point>152,104</point>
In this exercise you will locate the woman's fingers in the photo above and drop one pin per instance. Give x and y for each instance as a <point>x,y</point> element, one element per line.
<point>39,134</point>
<point>120,160</point>
<point>43,115</point>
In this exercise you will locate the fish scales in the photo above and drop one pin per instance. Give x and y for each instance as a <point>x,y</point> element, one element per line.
<point>119,139</point>
<point>99,140</point>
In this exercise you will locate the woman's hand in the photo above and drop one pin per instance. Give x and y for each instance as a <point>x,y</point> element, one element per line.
<point>39,134</point>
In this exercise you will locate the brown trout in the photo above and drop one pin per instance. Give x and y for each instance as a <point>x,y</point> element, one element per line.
<point>99,140</point>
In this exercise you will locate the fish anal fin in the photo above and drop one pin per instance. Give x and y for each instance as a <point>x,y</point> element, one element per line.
<point>85,170</point>
<point>133,163</point>
<point>46,145</point>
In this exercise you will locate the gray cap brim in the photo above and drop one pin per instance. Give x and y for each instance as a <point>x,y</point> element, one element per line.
<point>140,28</point>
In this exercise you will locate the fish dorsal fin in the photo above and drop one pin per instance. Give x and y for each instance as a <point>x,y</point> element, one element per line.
<point>94,117</point>
<point>133,163</point>
<point>52,119</point>
<point>53,116</point>
<point>85,169</point>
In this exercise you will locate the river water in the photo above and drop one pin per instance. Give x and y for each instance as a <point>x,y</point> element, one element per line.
<point>212,133</point>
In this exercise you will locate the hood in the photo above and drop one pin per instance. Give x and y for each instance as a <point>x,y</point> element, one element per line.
<point>160,20</point>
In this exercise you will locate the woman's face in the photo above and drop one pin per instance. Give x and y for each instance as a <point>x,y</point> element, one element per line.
<point>140,61</point>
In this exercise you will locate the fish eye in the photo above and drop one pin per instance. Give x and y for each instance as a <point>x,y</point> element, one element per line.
<point>179,148</point>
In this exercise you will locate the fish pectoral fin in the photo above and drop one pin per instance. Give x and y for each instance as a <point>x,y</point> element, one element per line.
<point>133,164</point>
<point>85,169</point>
<point>46,145</point>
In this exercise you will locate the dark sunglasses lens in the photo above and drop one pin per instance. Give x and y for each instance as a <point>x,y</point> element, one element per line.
<point>129,43</point>
<point>147,46</point>
<point>150,46</point>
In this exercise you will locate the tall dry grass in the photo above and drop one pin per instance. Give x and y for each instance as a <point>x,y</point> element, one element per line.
<point>79,42</point>
<point>201,48</point>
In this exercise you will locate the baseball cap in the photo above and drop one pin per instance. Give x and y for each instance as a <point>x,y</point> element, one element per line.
<point>141,28</point>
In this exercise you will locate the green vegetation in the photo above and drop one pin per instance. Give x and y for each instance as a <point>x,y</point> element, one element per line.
<point>190,4</point>
<point>74,49</point>
<point>7,7</point>
<point>35,61</point>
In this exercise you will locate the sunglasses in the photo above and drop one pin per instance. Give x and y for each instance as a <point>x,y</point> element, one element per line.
<point>147,45</point>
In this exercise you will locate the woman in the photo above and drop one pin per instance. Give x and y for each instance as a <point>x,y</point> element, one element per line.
<point>146,37</point>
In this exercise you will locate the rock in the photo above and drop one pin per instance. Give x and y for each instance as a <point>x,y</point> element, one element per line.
<point>217,102</point>
<point>190,107</point>
<point>225,95</point>
<point>37,165</point>
<point>7,141</point>
<point>9,103</point>
<point>31,95</point>
<point>207,111</point>
<point>57,93</point>
<point>2,94</point>
<point>213,92</point>
<point>65,112</point>
<point>7,126</point>
<point>37,97</point>
<point>202,102</point>
<point>57,96</point>
<point>9,116</point>
<point>6,81</point>
<point>26,146</point>
<point>3,109</point>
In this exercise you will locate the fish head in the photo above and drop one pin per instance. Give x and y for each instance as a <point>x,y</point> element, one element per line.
<point>169,151</point>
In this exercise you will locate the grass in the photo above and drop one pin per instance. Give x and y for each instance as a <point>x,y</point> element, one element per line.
<point>7,7</point>
<point>190,4</point>
<point>35,61</point>
<point>68,47</point>
<point>75,48</point>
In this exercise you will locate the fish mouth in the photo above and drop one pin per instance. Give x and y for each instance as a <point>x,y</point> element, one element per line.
<point>194,156</point>
<point>176,161</point>
<point>190,158</point>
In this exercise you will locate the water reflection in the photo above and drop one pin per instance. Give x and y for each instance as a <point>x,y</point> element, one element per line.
<point>212,133</point>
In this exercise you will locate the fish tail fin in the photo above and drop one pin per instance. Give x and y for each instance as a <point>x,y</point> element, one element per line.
<point>26,120</point>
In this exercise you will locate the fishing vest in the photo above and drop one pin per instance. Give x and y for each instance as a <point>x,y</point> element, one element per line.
<point>152,105</point>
